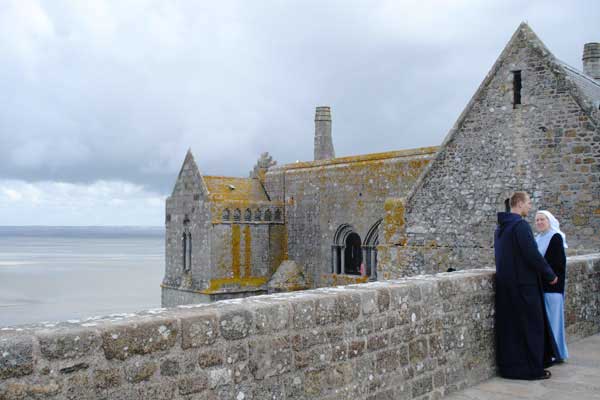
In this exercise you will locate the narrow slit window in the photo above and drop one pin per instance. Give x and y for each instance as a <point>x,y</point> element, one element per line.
<point>189,249</point>
<point>517,85</point>
<point>185,253</point>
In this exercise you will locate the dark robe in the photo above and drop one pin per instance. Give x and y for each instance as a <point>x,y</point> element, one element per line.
<point>557,259</point>
<point>524,342</point>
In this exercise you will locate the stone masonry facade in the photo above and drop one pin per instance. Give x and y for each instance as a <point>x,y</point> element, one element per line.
<point>414,338</point>
<point>547,144</point>
<point>533,125</point>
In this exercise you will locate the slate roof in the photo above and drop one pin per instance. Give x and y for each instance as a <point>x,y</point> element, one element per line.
<point>587,86</point>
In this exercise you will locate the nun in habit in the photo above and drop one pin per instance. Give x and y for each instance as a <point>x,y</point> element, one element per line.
<point>552,243</point>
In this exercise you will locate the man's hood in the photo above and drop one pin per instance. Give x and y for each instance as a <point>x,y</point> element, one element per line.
<point>507,220</point>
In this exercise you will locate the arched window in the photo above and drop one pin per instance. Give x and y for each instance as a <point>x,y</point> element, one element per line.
<point>248,215</point>
<point>268,215</point>
<point>226,215</point>
<point>353,255</point>
<point>346,252</point>
<point>277,214</point>
<point>237,214</point>
<point>257,214</point>
<point>370,250</point>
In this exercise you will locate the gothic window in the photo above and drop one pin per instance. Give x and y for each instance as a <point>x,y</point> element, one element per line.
<point>186,244</point>
<point>257,214</point>
<point>237,214</point>
<point>277,214</point>
<point>268,215</point>
<point>248,215</point>
<point>346,252</point>
<point>517,86</point>
<point>353,255</point>
<point>370,250</point>
<point>226,215</point>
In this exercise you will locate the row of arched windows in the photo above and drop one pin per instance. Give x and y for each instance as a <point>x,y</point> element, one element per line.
<point>257,215</point>
<point>352,256</point>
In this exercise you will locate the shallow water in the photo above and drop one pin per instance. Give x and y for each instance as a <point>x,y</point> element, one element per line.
<point>62,273</point>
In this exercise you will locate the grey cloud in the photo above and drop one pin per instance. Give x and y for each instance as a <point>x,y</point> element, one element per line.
<point>119,90</point>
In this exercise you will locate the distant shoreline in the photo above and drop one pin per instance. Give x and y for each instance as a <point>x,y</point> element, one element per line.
<point>81,231</point>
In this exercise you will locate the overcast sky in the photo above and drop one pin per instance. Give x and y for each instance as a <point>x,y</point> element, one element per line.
<point>99,100</point>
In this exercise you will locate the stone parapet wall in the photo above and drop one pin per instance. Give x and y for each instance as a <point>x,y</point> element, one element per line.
<point>413,338</point>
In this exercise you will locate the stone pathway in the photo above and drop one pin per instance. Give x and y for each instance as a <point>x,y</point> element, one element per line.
<point>578,379</point>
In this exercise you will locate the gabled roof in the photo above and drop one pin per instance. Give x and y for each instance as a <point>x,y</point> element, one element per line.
<point>584,90</point>
<point>189,179</point>
<point>224,188</point>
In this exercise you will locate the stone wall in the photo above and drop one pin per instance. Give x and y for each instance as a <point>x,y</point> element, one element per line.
<point>187,210</point>
<point>549,146</point>
<point>321,196</point>
<point>416,338</point>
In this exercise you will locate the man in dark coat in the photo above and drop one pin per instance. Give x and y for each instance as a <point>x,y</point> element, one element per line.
<point>523,337</point>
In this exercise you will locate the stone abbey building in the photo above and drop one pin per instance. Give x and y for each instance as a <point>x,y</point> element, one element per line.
<point>533,124</point>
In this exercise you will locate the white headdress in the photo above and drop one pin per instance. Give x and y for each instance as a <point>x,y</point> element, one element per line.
<point>543,239</point>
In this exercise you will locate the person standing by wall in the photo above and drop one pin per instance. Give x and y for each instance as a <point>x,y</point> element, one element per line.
<point>524,343</point>
<point>552,243</point>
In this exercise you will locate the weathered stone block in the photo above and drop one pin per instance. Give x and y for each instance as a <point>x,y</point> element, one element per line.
<point>123,341</point>
<point>399,296</point>
<point>235,324</point>
<point>378,342</point>
<point>170,367</point>
<point>369,302</point>
<point>356,348</point>
<point>271,318</point>
<point>383,299</point>
<point>308,339</point>
<point>304,313</point>
<point>107,378</point>
<point>211,358</point>
<point>140,371</point>
<point>192,384</point>
<point>199,330</point>
<point>29,390</point>
<point>16,356</point>
<point>313,358</point>
<point>69,344</point>
<point>269,357</point>
<point>422,385</point>
<point>326,311</point>
<point>218,377</point>
<point>418,350</point>
<point>235,353</point>
<point>347,306</point>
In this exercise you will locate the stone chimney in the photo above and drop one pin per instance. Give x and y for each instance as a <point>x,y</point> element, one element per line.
<point>323,141</point>
<point>591,60</point>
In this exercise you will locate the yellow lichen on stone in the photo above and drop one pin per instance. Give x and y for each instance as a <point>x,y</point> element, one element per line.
<point>223,188</point>
<point>235,251</point>
<point>218,285</point>
<point>247,251</point>
<point>393,221</point>
<point>341,280</point>
<point>363,157</point>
